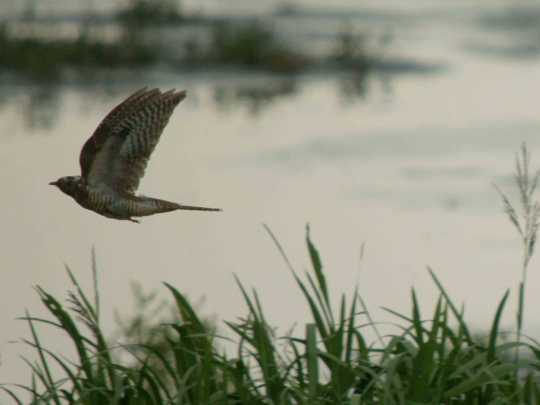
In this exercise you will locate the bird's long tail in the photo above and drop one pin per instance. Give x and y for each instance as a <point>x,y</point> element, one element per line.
<point>196,208</point>
<point>149,206</point>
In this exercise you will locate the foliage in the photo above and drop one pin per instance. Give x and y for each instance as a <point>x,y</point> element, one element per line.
<point>222,42</point>
<point>351,49</point>
<point>150,12</point>
<point>46,59</point>
<point>253,45</point>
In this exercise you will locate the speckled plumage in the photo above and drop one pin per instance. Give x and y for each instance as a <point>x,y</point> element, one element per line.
<point>114,158</point>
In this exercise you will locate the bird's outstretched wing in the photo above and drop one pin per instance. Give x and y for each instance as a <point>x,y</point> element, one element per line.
<point>117,153</point>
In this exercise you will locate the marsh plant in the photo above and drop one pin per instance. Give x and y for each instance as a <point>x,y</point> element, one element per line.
<point>339,356</point>
<point>524,215</point>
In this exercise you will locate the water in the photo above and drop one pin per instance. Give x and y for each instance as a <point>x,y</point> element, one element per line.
<point>401,163</point>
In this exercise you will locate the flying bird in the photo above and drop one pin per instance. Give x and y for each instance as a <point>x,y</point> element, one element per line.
<point>114,158</point>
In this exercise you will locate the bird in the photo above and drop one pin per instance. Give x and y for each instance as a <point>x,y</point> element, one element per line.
<point>113,160</point>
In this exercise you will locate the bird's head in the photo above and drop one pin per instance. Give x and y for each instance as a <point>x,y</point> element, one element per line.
<point>68,184</point>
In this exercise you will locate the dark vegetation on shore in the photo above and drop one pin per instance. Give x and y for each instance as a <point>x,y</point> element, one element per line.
<point>150,12</point>
<point>243,43</point>
<point>46,59</point>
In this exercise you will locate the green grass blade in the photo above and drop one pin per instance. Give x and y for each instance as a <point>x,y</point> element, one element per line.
<point>317,268</point>
<point>12,394</point>
<point>453,308</point>
<point>417,320</point>
<point>69,326</point>
<point>46,376</point>
<point>312,360</point>
<point>479,379</point>
<point>494,333</point>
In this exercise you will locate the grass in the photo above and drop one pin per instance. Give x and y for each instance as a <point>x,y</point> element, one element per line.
<point>524,217</point>
<point>339,357</point>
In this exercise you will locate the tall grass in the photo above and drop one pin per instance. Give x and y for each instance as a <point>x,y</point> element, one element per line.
<point>427,359</point>
<point>524,216</point>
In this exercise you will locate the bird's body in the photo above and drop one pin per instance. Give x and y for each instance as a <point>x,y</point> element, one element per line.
<point>114,158</point>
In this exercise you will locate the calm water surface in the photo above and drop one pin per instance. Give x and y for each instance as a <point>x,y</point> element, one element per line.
<point>403,164</point>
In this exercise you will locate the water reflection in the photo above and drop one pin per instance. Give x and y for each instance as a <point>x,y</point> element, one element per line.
<point>519,51</point>
<point>254,97</point>
<point>512,33</point>
<point>32,106</point>
<point>40,107</point>
<point>353,87</point>
<point>39,104</point>
<point>512,19</point>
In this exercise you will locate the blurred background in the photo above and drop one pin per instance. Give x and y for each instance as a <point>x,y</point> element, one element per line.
<point>382,124</point>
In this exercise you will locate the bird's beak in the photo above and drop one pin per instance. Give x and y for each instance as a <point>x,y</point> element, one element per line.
<point>53,183</point>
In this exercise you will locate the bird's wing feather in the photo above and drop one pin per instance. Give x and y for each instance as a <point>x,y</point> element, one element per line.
<point>117,153</point>
<point>107,127</point>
